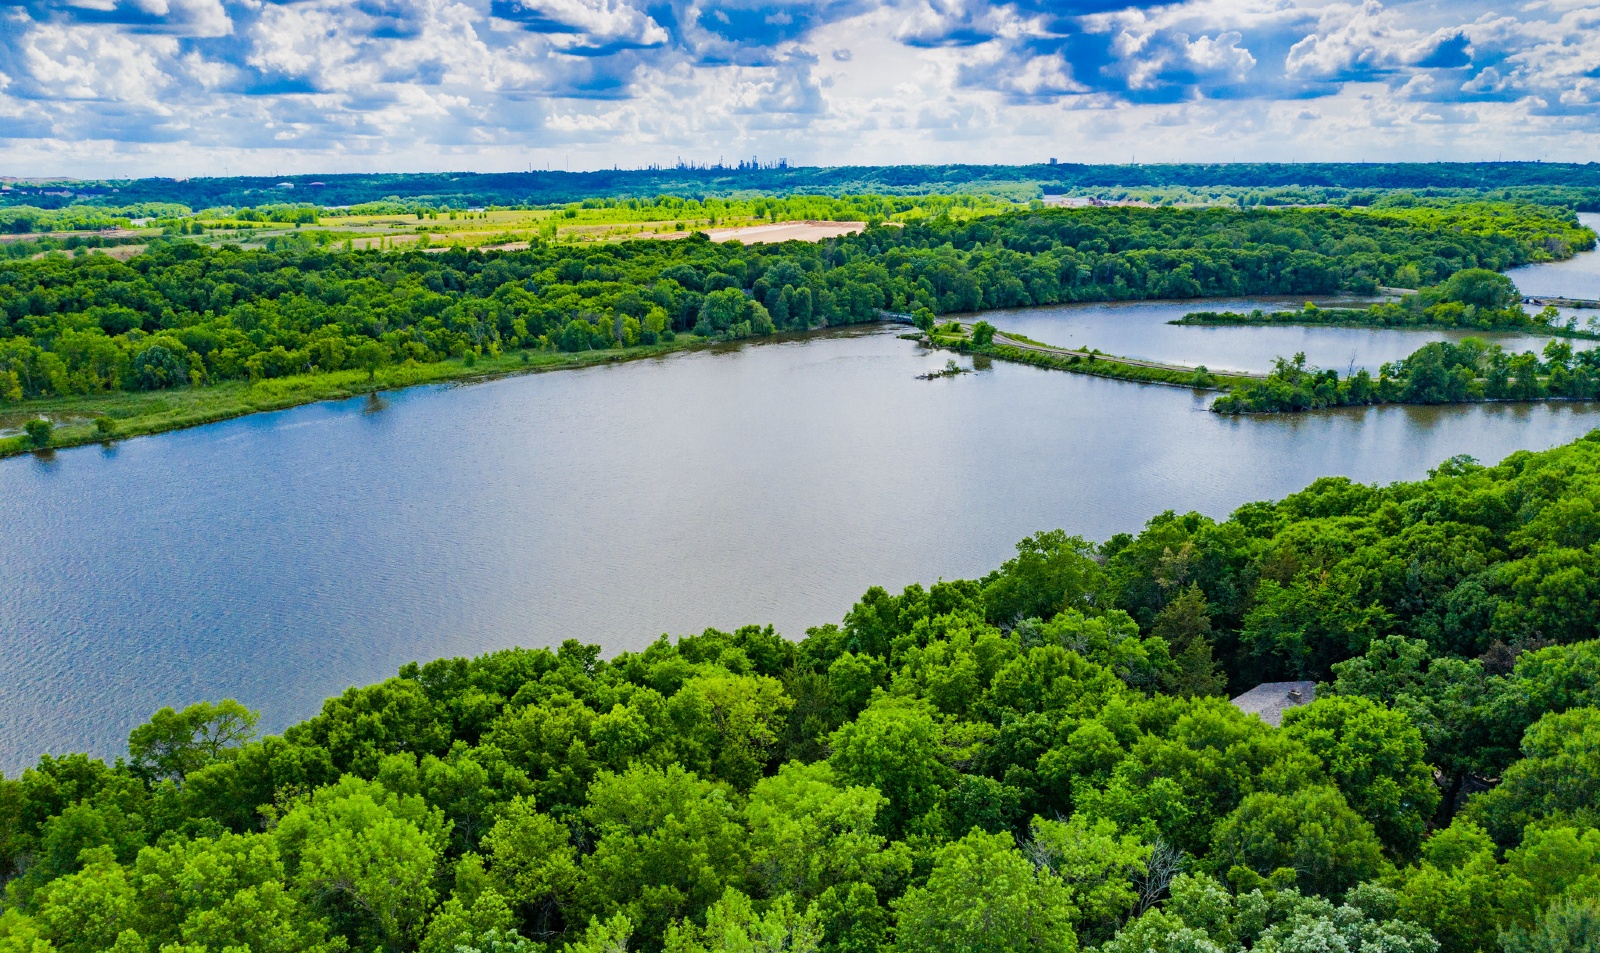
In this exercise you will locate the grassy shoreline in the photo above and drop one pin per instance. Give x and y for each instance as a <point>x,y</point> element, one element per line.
<point>1099,365</point>
<point>143,413</point>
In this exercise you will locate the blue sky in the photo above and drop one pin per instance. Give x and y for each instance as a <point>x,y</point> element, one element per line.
<point>189,87</point>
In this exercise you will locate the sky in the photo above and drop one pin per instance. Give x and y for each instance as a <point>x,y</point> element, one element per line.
<point>98,88</point>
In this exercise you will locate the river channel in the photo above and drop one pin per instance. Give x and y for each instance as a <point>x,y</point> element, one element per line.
<point>279,558</point>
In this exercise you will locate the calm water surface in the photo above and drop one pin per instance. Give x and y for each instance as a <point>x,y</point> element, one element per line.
<point>1141,329</point>
<point>279,558</point>
<point>1578,278</point>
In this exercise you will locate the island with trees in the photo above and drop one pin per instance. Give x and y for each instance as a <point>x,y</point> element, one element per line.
<point>1042,759</point>
<point>1473,299</point>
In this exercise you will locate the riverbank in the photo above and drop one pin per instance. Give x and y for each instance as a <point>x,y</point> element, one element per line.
<point>142,413</point>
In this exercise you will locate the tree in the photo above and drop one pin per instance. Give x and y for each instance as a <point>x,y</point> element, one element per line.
<point>1557,778</point>
<point>982,334</point>
<point>734,926</point>
<point>1097,864</point>
<point>895,746</point>
<point>667,845</point>
<point>365,857</point>
<point>1203,917</point>
<point>1481,288</point>
<point>984,896</point>
<point>1312,834</point>
<point>1376,757</point>
<point>809,834</point>
<point>1571,925</point>
<point>531,860</point>
<point>1185,625</point>
<point>39,431</point>
<point>1051,572</point>
<point>369,356</point>
<point>174,744</point>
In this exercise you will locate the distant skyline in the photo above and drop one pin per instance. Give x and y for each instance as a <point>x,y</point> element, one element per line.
<point>97,88</point>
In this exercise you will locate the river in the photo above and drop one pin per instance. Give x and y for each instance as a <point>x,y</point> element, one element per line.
<point>279,558</point>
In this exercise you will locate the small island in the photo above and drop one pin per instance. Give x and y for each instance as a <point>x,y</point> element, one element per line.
<point>1474,299</point>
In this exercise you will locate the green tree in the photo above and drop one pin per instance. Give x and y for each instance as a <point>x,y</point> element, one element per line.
<point>174,744</point>
<point>896,746</point>
<point>1556,780</point>
<point>667,845</point>
<point>808,834</point>
<point>984,896</point>
<point>1566,926</point>
<point>1098,865</point>
<point>531,860</point>
<point>39,431</point>
<point>1312,834</point>
<point>1376,757</point>
<point>365,857</point>
<point>1185,625</point>
<point>1051,572</point>
<point>733,925</point>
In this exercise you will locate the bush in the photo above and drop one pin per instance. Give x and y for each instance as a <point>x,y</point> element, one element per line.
<point>39,432</point>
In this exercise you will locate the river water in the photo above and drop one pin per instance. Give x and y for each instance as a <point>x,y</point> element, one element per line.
<point>279,558</point>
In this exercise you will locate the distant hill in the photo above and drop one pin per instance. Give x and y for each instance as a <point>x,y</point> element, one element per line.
<point>466,189</point>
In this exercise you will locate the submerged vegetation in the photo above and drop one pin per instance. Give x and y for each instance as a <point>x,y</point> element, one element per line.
<point>1041,759</point>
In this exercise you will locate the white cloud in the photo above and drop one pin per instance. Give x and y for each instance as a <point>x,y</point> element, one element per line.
<point>183,86</point>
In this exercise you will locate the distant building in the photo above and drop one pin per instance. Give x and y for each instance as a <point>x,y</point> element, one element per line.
<point>1271,699</point>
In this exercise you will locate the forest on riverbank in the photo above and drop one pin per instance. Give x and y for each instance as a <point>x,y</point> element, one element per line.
<point>187,315</point>
<point>1041,759</point>
<point>1441,372</point>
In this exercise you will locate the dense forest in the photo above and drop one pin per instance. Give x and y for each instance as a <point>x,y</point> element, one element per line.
<point>1043,759</point>
<point>1580,183</point>
<point>186,314</point>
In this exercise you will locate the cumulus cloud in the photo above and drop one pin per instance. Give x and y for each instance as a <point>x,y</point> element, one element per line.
<point>498,83</point>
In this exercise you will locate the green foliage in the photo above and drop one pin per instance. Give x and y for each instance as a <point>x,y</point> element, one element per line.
<point>1375,757</point>
<point>1310,837</point>
<point>984,896</point>
<point>186,314</point>
<point>1568,926</point>
<point>175,744</point>
<point>39,431</point>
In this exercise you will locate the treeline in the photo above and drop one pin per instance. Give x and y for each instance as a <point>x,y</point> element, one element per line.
<point>1038,760</point>
<point>187,314</point>
<point>1583,199</point>
<point>464,189</point>
<point>25,219</point>
<point>1474,299</point>
<point>1441,372</point>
